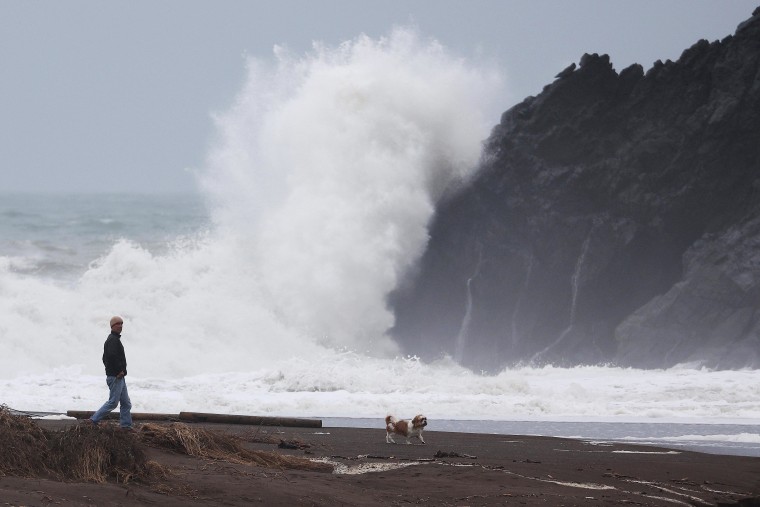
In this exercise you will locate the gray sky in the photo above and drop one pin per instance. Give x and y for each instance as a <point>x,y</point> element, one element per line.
<point>99,96</point>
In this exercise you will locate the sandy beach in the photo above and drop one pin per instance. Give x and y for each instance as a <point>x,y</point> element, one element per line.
<point>452,469</point>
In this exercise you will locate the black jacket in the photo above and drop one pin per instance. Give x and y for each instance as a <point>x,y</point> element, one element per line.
<point>113,356</point>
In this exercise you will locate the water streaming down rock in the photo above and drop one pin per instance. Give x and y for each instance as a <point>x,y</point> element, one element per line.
<point>664,166</point>
<point>461,340</point>
<point>575,281</point>
<point>516,309</point>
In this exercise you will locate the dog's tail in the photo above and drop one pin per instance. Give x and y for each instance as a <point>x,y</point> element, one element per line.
<point>390,422</point>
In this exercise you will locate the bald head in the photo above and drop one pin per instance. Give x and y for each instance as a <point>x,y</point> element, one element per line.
<point>116,321</point>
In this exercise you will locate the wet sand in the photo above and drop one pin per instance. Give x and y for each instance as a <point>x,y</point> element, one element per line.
<point>452,469</point>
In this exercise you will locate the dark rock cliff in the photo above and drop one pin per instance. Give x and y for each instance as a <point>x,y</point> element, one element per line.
<point>615,219</point>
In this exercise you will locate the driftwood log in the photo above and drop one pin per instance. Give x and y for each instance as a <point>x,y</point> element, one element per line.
<point>252,420</point>
<point>200,417</point>
<point>136,416</point>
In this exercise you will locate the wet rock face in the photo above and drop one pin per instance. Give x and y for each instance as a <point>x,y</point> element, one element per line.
<point>615,219</point>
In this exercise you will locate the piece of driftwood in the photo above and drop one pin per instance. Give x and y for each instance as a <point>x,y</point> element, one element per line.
<point>200,417</point>
<point>452,454</point>
<point>252,420</point>
<point>136,416</point>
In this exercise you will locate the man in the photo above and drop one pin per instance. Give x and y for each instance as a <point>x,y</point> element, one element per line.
<point>116,369</point>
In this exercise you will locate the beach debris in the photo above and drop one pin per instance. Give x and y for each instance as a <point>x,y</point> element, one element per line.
<point>78,453</point>
<point>88,453</point>
<point>293,444</point>
<point>363,468</point>
<point>452,454</point>
<point>201,417</point>
<point>204,443</point>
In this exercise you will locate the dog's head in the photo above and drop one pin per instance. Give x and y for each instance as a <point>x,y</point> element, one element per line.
<point>419,421</point>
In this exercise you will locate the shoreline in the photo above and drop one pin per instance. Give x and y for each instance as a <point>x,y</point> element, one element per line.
<point>451,469</point>
<point>737,439</point>
<point>712,437</point>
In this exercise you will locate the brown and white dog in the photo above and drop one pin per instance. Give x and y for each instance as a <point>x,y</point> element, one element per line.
<point>404,428</point>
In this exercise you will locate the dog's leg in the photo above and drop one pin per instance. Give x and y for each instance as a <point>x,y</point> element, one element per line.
<point>420,437</point>
<point>389,438</point>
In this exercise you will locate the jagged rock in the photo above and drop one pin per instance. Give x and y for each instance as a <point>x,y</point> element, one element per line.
<point>693,321</point>
<point>566,71</point>
<point>615,218</point>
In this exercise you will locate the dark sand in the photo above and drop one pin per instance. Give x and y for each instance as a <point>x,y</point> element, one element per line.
<point>453,469</point>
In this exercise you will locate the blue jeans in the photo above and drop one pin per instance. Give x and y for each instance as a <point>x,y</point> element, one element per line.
<point>118,395</point>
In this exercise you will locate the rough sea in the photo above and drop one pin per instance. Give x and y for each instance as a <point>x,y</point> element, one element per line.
<point>67,262</point>
<point>264,292</point>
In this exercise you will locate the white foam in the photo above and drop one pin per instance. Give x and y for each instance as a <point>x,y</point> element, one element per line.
<point>581,485</point>
<point>353,385</point>
<point>743,438</point>
<point>365,468</point>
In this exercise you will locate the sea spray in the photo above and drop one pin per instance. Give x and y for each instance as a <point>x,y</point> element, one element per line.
<point>328,170</point>
<point>321,183</point>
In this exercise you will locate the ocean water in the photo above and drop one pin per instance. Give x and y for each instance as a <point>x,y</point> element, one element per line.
<point>264,293</point>
<point>69,261</point>
<point>715,438</point>
<point>58,236</point>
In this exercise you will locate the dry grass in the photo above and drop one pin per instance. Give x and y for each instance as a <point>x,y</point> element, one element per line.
<point>79,453</point>
<point>105,453</point>
<point>86,453</point>
<point>24,446</point>
<point>203,443</point>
